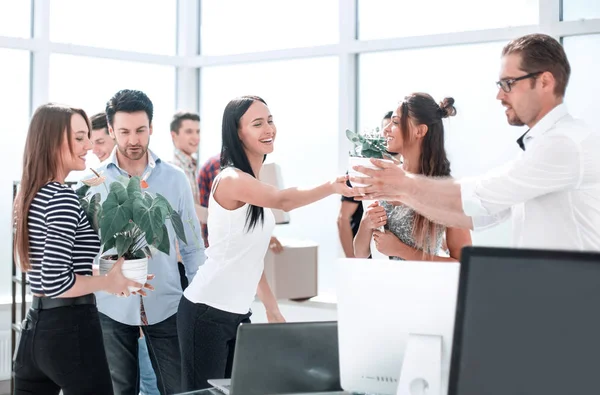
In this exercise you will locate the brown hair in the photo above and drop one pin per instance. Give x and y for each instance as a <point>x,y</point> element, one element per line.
<point>539,53</point>
<point>41,164</point>
<point>433,161</point>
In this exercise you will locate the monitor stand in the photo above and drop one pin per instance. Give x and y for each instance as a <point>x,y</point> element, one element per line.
<point>422,366</point>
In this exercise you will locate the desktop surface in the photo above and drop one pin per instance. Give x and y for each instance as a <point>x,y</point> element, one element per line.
<point>212,391</point>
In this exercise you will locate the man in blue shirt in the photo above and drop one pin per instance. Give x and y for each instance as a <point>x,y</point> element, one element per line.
<point>129,114</point>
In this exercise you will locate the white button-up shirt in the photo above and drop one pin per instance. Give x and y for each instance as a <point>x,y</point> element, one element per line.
<point>551,192</point>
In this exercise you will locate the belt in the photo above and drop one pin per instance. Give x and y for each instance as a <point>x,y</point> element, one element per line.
<point>44,303</point>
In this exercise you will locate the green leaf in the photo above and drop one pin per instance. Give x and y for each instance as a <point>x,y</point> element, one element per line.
<point>139,254</point>
<point>149,219</point>
<point>95,211</point>
<point>178,226</point>
<point>133,186</point>
<point>123,243</point>
<point>148,251</point>
<point>165,243</point>
<point>164,204</point>
<point>119,190</point>
<point>110,243</point>
<point>115,215</point>
<point>82,191</point>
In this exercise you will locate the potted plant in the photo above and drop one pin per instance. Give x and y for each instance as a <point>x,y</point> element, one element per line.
<point>366,145</point>
<point>131,223</point>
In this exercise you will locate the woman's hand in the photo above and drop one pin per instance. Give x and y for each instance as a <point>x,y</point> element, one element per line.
<point>374,216</point>
<point>274,317</point>
<point>387,243</point>
<point>148,286</point>
<point>117,283</point>
<point>341,187</point>
<point>275,245</point>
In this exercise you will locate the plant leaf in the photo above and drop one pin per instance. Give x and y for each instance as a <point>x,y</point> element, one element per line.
<point>163,203</point>
<point>139,254</point>
<point>82,191</point>
<point>148,251</point>
<point>123,243</point>
<point>149,219</point>
<point>95,211</point>
<point>165,243</point>
<point>110,243</point>
<point>115,215</point>
<point>178,226</point>
<point>133,186</point>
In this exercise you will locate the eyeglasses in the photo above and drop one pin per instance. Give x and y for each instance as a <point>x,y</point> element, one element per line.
<point>506,85</point>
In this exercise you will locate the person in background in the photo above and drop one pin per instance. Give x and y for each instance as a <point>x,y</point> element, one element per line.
<point>351,211</point>
<point>550,192</point>
<point>102,143</point>
<point>61,345</point>
<point>416,132</point>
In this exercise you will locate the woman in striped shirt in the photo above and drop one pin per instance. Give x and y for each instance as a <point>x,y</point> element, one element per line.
<point>61,343</point>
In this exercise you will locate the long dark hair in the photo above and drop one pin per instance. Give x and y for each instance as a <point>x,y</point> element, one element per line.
<point>41,163</point>
<point>433,161</point>
<point>232,151</point>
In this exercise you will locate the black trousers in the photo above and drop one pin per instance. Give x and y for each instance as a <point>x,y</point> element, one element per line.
<point>62,348</point>
<point>207,343</point>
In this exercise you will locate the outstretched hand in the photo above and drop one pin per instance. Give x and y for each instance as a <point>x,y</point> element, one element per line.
<point>340,187</point>
<point>388,182</point>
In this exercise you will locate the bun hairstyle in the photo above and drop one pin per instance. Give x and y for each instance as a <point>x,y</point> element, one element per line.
<point>447,108</point>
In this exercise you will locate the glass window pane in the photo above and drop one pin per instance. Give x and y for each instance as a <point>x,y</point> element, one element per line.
<point>134,25</point>
<point>387,18</point>
<point>580,9</point>
<point>306,146</point>
<point>584,55</point>
<point>478,138</point>
<point>99,79</point>
<point>240,26</point>
<point>14,105</point>
<point>15,18</point>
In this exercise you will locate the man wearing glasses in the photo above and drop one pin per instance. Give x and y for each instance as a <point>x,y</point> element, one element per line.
<point>551,192</point>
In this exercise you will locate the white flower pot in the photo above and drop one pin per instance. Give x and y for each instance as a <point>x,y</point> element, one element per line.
<point>134,269</point>
<point>358,161</point>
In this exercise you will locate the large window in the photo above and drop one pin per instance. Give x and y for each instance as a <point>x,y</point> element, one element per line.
<point>478,138</point>
<point>89,83</point>
<point>302,96</point>
<point>392,18</point>
<point>573,10</point>
<point>14,103</point>
<point>132,25</point>
<point>15,18</point>
<point>584,55</point>
<point>240,26</point>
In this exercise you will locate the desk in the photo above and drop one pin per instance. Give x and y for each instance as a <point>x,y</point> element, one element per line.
<point>212,391</point>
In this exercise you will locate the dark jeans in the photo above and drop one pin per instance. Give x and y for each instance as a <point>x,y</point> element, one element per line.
<point>121,343</point>
<point>207,342</point>
<point>62,348</point>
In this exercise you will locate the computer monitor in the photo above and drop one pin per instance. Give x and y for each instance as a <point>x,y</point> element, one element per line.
<point>395,325</point>
<point>527,322</point>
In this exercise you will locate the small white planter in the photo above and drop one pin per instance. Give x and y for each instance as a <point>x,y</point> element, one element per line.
<point>134,269</point>
<point>358,161</point>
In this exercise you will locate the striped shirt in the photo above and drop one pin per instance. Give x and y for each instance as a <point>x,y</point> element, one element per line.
<point>62,242</point>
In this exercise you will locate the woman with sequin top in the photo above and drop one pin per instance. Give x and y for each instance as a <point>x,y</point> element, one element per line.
<point>416,131</point>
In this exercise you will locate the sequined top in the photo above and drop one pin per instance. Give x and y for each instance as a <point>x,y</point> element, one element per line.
<point>400,221</point>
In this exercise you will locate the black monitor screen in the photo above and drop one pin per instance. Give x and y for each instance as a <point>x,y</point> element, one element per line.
<point>528,322</point>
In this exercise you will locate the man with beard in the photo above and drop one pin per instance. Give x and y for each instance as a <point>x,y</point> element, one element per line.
<point>551,192</point>
<point>129,115</point>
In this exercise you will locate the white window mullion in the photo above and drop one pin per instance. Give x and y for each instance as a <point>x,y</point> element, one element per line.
<point>348,75</point>
<point>40,57</point>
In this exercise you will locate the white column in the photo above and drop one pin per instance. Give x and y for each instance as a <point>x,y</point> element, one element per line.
<point>188,31</point>
<point>550,14</point>
<point>348,77</point>
<point>40,56</point>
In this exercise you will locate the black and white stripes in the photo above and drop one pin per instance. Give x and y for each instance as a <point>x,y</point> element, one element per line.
<point>62,242</point>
